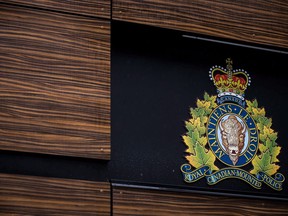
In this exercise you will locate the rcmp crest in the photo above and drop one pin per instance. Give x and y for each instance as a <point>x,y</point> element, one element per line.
<point>233,131</point>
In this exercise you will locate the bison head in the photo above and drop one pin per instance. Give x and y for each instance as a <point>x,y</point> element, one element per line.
<point>233,136</point>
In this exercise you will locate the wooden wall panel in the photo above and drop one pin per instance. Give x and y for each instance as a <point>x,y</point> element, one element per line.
<point>25,195</point>
<point>54,83</point>
<point>263,22</point>
<point>97,8</point>
<point>137,201</point>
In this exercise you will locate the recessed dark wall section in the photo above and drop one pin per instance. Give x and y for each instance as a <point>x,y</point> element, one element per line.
<point>157,75</point>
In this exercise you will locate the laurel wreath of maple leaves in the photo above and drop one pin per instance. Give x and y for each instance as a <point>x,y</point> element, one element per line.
<point>196,141</point>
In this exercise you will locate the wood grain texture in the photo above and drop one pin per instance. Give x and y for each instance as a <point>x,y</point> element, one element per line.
<point>262,22</point>
<point>27,195</point>
<point>97,8</point>
<point>54,83</point>
<point>132,201</point>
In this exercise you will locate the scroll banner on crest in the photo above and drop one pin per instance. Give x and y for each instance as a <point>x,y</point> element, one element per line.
<point>219,175</point>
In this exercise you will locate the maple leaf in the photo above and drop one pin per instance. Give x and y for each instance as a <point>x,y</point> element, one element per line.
<point>258,111</point>
<point>251,105</point>
<point>202,157</point>
<point>205,105</point>
<point>198,125</point>
<point>262,147</point>
<point>202,141</point>
<point>189,126</point>
<point>192,138</point>
<point>199,113</point>
<point>272,147</point>
<point>263,121</point>
<point>189,143</point>
<point>195,135</point>
<point>193,125</point>
<point>211,99</point>
<point>266,145</point>
<point>268,133</point>
<point>274,153</point>
<point>263,163</point>
<point>204,120</point>
<point>259,116</point>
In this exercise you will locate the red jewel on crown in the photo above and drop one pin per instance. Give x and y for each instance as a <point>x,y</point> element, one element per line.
<point>228,81</point>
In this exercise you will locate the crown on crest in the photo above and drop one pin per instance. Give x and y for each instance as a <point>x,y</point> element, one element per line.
<point>229,81</point>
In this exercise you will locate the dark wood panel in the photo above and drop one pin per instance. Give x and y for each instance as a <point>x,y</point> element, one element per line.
<point>27,195</point>
<point>54,83</point>
<point>132,201</point>
<point>263,22</point>
<point>97,8</point>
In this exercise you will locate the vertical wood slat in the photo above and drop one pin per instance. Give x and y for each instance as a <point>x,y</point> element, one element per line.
<point>54,83</point>
<point>262,22</point>
<point>137,201</point>
<point>97,8</point>
<point>27,195</point>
